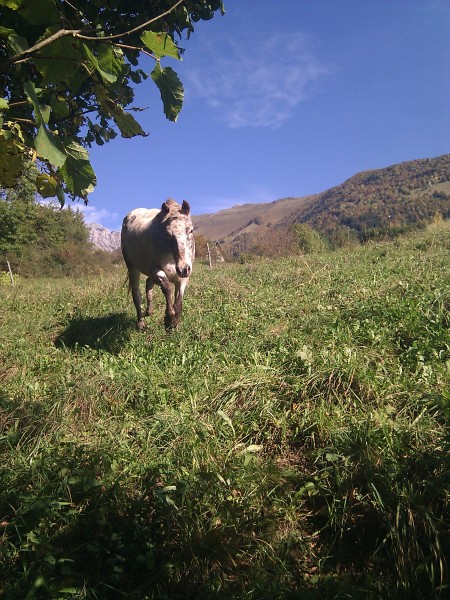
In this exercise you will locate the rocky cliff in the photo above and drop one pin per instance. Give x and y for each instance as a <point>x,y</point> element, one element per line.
<point>103,238</point>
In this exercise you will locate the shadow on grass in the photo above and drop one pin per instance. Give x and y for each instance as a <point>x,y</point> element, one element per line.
<point>81,536</point>
<point>108,333</point>
<point>73,527</point>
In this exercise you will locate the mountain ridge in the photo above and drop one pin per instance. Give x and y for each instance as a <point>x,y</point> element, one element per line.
<point>408,193</point>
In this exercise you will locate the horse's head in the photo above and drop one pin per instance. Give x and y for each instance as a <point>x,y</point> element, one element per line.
<point>180,232</point>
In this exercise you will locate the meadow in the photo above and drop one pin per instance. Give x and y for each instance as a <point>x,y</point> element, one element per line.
<point>289,441</point>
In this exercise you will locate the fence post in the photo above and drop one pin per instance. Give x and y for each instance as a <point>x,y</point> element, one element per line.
<point>10,273</point>
<point>209,256</point>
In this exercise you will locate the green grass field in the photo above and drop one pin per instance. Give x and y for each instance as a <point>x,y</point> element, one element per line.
<point>289,441</point>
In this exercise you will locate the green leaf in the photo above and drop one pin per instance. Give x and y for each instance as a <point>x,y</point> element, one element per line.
<point>13,4</point>
<point>77,171</point>
<point>3,104</point>
<point>38,13</point>
<point>18,43</point>
<point>309,489</point>
<point>160,44</point>
<point>127,124</point>
<point>110,61</point>
<point>14,132</point>
<point>30,91</point>
<point>332,457</point>
<point>95,64</point>
<point>46,185</point>
<point>227,419</point>
<point>46,144</point>
<point>60,61</point>
<point>5,31</point>
<point>171,90</point>
<point>60,195</point>
<point>60,109</point>
<point>11,162</point>
<point>45,112</point>
<point>49,147</point>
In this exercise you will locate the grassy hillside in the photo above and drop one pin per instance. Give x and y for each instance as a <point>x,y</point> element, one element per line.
<point>290,441</point>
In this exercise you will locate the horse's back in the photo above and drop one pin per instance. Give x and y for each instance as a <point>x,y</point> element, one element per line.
<point>138,239</point>
<point>139,219</point>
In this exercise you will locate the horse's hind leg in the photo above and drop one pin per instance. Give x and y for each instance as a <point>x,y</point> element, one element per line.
<point>148,294</point>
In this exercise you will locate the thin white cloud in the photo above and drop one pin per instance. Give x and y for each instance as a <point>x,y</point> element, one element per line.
<point>90,213</point>
<point>255,81</point>
<point>96,215</point>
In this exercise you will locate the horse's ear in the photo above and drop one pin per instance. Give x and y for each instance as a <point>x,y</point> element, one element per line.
<point>185,208</point>
<point>165,208</point>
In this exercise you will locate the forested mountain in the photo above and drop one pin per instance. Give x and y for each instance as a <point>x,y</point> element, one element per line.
<point>405,194</point>
<point>370,204</point>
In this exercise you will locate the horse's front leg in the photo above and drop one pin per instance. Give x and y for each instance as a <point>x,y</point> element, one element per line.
<point>180,286</point>
<point>164,284</point>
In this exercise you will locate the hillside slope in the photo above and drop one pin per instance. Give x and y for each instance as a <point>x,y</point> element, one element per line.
<point>290,440</point>
<point>244,218</point>
<point>408,193</point>
<point>403,194</point>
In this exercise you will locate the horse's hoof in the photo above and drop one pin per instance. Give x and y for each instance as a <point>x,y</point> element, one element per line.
<point>140,325</point>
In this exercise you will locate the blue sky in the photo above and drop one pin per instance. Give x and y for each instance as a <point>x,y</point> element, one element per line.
<point>285,98</point>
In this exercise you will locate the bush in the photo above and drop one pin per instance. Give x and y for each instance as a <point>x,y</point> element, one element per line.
<point>309,240</point>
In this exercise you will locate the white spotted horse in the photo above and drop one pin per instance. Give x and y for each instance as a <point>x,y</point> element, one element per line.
<point>160,245</point>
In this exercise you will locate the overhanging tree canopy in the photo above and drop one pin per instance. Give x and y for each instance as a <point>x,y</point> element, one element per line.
<point>66,74</point>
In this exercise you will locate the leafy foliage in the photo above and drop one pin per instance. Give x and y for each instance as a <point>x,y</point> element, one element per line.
<point>66,79</point>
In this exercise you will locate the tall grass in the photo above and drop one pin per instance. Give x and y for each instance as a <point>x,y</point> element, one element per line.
<point>289,441</point>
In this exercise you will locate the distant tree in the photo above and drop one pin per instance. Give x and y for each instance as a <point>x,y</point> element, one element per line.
<point>342,237</point>
<point>439,195</point>
<point>29,229</point>
<point>271,242</point>
<point>16,206</point>
<point>66,76</point>
<point>309,240</point>
<point>201,246</point>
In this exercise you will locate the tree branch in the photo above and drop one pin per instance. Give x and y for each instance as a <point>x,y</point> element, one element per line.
<point>107,38</point>
<point>81,34</point>
<point>136,48</point>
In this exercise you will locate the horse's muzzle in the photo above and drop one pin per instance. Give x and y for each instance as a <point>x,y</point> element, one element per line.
<point>184,271</point>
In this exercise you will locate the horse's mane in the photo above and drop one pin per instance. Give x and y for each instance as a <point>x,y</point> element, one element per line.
<point>173,212</point>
